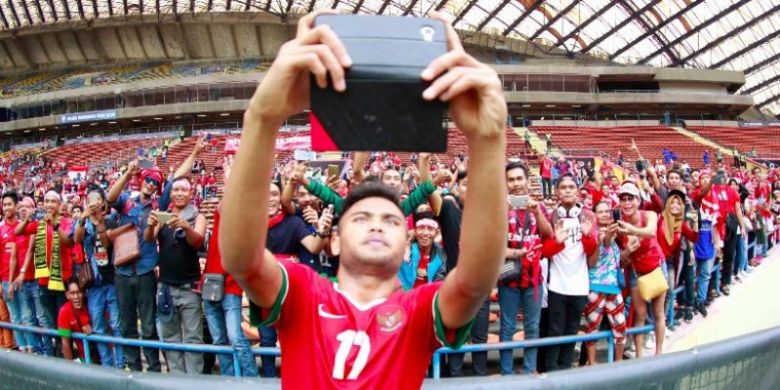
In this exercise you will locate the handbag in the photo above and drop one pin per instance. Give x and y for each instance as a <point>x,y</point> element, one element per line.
<point>512,269</point>
<point>213,288</point>
<point>652,285</point>
<point>86,276</point>
<point>125,244</point>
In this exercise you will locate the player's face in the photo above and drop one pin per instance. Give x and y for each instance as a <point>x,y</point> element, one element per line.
<point>373,236</point>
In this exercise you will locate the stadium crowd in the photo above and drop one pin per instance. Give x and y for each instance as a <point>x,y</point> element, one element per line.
<point>573,253</point>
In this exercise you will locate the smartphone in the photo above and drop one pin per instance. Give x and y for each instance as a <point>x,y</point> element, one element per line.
<point>163,218</point>
<point>640,165</point>
<point>690,215</point>
<point>616,216</point>
<point>382,107</point>
<point>146,164</point>
<point>518,201</point>
<point>333,170</point>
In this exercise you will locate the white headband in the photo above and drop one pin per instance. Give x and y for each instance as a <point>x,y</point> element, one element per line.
<point>427,222</point>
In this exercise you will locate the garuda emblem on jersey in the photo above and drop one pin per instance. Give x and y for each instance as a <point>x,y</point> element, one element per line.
<point>390,318</point>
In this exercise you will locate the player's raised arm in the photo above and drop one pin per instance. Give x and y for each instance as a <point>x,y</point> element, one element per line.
<point>478,108</point>
<point>284,91</point>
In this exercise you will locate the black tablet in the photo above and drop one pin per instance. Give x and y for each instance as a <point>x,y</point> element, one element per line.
<point>382,108</point>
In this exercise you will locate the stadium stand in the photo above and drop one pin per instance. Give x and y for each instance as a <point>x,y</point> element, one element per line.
<point>765,139</point>
<point>651,140</point>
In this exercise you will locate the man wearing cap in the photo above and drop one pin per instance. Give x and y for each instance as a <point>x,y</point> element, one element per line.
<point>52,259</point>
<point>136,285</point>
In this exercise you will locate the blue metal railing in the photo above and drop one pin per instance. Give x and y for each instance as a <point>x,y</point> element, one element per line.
<point>95,338</point>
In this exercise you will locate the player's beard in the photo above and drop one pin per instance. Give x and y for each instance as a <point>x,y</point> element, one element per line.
<point>374,263</point>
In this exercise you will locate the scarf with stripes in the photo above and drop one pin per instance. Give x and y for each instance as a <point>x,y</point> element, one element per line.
<point>43,253</point>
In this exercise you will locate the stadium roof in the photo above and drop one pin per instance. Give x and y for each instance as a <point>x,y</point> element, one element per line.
<point>731,35</point>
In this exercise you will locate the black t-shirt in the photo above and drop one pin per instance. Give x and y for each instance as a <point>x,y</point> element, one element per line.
<point>285,238</point>
<point>104,258</point>
<point>450,218</point>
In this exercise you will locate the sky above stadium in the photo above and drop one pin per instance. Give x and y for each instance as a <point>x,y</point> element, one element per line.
<point>731,35</point>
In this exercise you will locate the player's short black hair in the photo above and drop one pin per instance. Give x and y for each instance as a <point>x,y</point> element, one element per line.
<point>568,176</point>
<point>72,280</point>
<point>370,189</point>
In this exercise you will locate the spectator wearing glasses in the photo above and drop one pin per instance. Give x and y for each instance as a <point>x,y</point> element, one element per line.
<point>136,284</point>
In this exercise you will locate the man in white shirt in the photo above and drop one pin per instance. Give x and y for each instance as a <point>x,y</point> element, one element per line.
<point>569,284</point>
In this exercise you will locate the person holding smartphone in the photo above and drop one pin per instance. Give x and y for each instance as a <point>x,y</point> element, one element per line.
<point>528,225</point>
<point>389,335</point>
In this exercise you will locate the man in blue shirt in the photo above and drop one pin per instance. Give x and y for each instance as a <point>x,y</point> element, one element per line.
<point>136,284</point>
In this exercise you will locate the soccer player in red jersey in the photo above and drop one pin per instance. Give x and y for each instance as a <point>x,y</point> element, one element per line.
<point>361,331</point>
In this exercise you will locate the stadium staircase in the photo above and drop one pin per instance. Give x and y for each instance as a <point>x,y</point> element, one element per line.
<point>706,141</point>
<point>538,143</point>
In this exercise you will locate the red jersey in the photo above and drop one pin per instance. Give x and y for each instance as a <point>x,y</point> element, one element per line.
<point>727,197</point>
<point>65,250</point>
<point>422,271</point>
<point>6,243</point>
<point>214,260</point>
<point>339,343</point>
<point>545,168</point>
<point>72,320</point>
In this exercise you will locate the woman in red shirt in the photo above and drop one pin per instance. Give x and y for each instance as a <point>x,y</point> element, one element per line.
<point>672,226</point>
<point>640,251</point>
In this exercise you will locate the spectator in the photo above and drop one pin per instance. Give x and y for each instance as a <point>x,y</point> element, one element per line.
<point>51,256</point>
<point>179,240</point>
<point>548,140</point>
<point>638,241</point>
<point>136,285</point>
<point>73,316</point>
<point>673,226</point>
<point>10,303</point>
<point>92,233</point>
<point>545,171</point>
<point>527,226</point>
<point>568,285</point>
<point>606,284</point>
<point>26,287</point>
<point>224,316</point>
<point>425,260</point>
<point>706,157</point>
<point>451,217</point>
<point>706,247</point>
<point>729,206</point>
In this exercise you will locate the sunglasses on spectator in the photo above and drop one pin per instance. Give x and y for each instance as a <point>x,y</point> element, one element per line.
<point>150,180</point>
<point>626,198</point>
